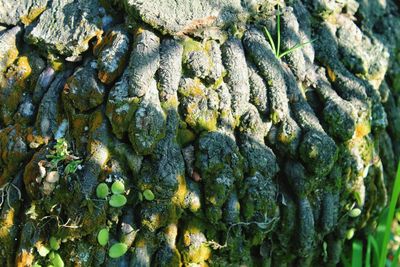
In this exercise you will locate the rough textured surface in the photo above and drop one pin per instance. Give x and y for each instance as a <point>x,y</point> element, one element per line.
<point>66,27</point>
<point>184,16</point>
<point>229,155</point>
<point>13,12</point>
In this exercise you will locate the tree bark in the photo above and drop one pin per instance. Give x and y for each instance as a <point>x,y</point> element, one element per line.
<point>229,153</point>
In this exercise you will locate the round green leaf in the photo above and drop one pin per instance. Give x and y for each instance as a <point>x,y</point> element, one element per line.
<point>102,237</point>
<point>54,243</point>
<point>102,190</point>
<point>117,201</point>
<point>43,251</point>
<point>118,187</point>
<point>57,261</point>
<point>350,233</point>
<point>148,195</point>
<point>355,213</point>
<point>117,250</point>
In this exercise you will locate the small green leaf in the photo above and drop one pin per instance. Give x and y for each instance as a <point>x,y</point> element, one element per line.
<point>36,264</point>
<point>148,195</point>
<point>54,243</point>
<point>117,250</point>
<point>350,233</point>
<point>43,251</point>
<point>57,260</point>
<point>102,237</point>
<point>72,166</point>
<point>102,190</point>
<point>117,201</point>
<point>357,196</point>
<point>355,213</point>
<point>118,187</point>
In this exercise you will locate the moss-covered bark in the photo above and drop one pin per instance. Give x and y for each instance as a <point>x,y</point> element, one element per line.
<point>229,155</point>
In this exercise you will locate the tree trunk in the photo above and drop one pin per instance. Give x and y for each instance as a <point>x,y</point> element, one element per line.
<point>230,148</point>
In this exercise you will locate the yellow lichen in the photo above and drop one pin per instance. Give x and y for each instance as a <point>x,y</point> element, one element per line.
<point>208,122</point>
<point>190,45</point>
<point>170,103</point>
<point>11,56</point>
<point>7,223</point>
<point>98,34</point>
<point>362,129</point>
<point>331,74</point>
<point>181,193</point>
<point>24,259</point>
<point>56,65</point>
<point>24,68</point>
<point>32,15</point>
<point>140,243</point>
<point>200,254</point>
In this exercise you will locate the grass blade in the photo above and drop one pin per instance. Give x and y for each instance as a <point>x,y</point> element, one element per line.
<point>356,257</point>
<point>368,253</point>
<point>271,41</point>
<point>389,219</point>
<point>297,46</point>
<point>396,258</point>
<point>375,248</point>
<point>278,32</point>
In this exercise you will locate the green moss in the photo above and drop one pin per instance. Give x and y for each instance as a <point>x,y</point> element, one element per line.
<point>274,117</point>
<point>218,82</point>
<point>208,122</point>
<point>185,136</point>
<point>190,45</point>
<point>195,90</point>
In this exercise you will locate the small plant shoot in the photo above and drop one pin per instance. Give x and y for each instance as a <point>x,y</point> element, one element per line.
<point>276,48</point>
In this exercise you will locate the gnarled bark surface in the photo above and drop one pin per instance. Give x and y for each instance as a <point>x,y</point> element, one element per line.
<point>229,155</point>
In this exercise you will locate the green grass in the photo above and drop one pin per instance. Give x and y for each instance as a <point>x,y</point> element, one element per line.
<point>377,253</point>
<point>277,48</point>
